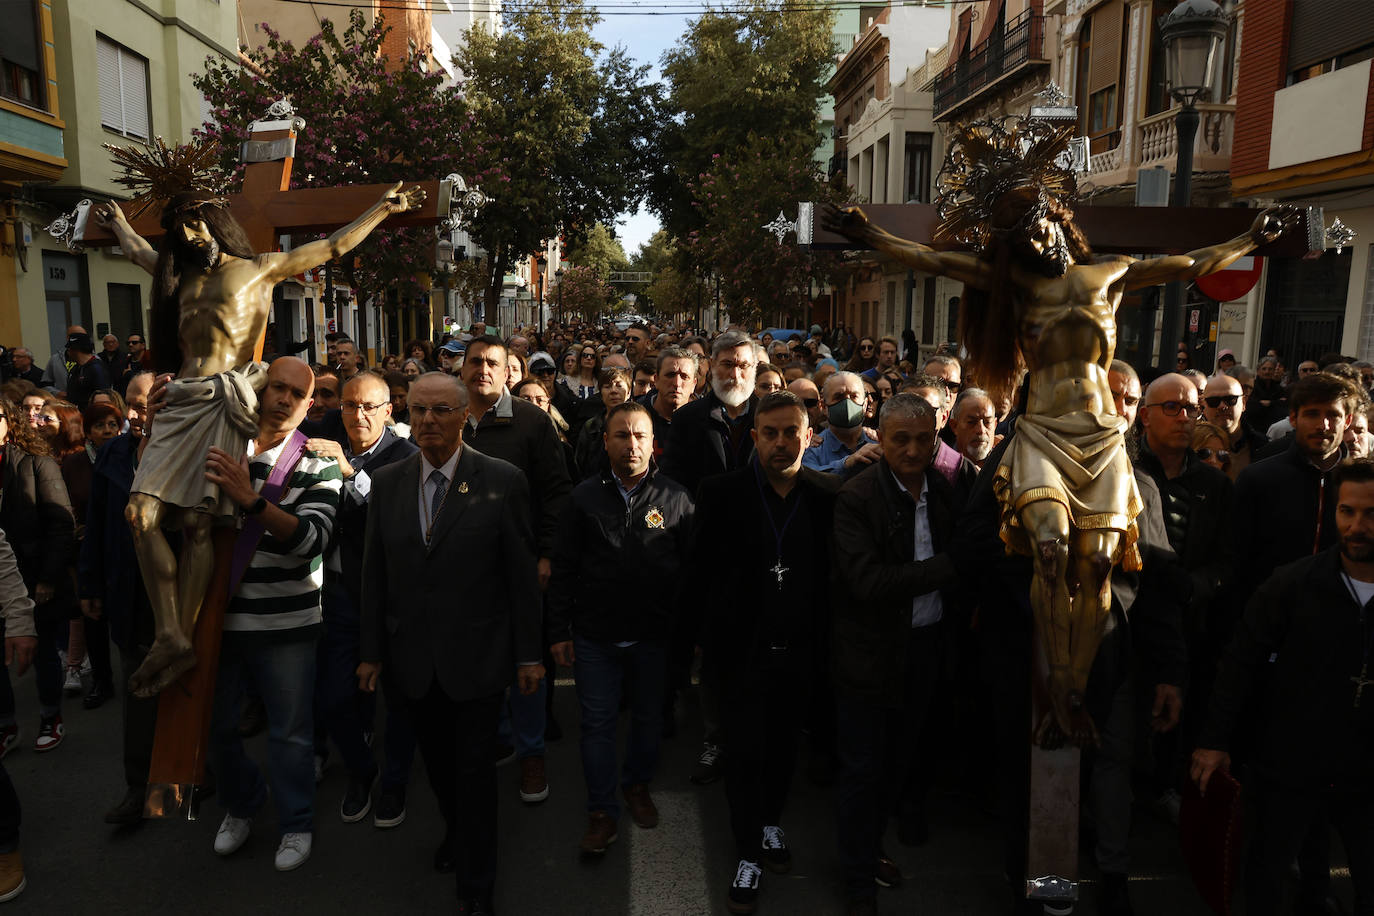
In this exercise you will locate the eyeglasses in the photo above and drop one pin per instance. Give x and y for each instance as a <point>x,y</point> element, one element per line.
<point>1221,454</point>
<point>1171,408</point>
<point>730,365</point>
<point>441,412</point>
<point>810,402</point>
<point>863,347</point>
<point>368,409</point>
<point>45,418</point>
<point>135,343</point>
<point>1216,401</point>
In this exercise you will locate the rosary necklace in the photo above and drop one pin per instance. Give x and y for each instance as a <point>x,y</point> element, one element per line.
<point>1362,680</point>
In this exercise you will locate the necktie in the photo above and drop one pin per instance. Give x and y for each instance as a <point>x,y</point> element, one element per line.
<point>437,501</point>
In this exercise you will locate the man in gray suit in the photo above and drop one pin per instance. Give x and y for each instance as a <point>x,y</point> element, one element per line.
<point>451,516</point>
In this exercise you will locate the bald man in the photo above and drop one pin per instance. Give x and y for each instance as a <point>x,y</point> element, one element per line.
<point>274,617</point>
<point>1223,404</point>
<point>1196,499</point>
<point>806,389</point>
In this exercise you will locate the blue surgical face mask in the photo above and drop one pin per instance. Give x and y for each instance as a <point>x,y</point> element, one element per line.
<point>845,414</point>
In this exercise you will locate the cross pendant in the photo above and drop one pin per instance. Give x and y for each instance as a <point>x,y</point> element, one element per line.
<point>778,569</point>
<point>1361,682</point>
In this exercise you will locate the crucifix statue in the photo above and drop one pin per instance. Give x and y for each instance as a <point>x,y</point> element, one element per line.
<point>211,299</point>
<point>1038,302</point>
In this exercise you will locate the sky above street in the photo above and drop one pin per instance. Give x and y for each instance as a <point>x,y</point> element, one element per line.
<point>645,38</point>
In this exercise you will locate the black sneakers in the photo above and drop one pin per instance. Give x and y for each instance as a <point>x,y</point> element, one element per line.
<point>357,801</point>
<point>391,807</point>
<point>775,855</point>
<point>708,766</point>
<point>744,890</point>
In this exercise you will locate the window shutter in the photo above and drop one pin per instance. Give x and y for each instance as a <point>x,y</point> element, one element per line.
<point>1323,29</point>
<point>19,40</point>
<point>134,70</point>
<point>107,73</point>
<point>1105,66</point>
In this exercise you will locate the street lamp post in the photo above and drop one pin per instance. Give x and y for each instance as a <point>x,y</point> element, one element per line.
<point>540,262</point>
<point>558,277</point>
<point>1193,34</point>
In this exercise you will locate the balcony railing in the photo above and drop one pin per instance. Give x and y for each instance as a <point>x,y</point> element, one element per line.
<point>1021,42</point>
<point>1155,144</point>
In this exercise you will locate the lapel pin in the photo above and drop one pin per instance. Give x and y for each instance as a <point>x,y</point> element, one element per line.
<point>463,487</point>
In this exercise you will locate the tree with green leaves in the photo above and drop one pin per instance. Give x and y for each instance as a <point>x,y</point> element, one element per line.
<point>567,128</point>
<point>738,74</point>
<point>734,198</point>
<point>368,120</point>
<point>581,292</point>
<point>600,250</point>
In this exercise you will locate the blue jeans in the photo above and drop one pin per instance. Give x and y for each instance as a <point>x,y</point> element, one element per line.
<point>283,674</point>
<point>602,670</point>
<point>523,719</point>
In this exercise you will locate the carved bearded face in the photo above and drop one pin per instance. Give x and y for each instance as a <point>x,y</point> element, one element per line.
<point>1045,249</point>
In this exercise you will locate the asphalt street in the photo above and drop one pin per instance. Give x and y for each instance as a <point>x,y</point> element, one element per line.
<point>76,863</point>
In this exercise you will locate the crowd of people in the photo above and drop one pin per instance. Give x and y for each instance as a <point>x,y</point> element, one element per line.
<point>862,617</point>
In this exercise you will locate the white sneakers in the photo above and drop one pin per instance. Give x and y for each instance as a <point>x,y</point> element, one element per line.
<point>232,834</point>
<point>292,852</point>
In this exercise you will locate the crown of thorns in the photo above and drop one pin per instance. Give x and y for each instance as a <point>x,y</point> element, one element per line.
<point>179,177</point>
<point>994,167</point>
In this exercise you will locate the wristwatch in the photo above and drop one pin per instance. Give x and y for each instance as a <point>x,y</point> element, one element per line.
<point>259,506</point>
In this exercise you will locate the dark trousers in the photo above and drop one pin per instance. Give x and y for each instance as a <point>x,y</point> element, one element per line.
<point>9,813</point>
<point>47,668</point>
<point>879,754</point>
<point>762,715</point>
<point>1284,820</point>
<point>139,722</point>
<point>341,712</point>
<point>604,672</point>
<point>458,744</point>
<point>98,650</point>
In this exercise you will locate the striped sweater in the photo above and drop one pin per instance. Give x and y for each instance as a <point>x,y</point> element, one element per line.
<point>280,592</point>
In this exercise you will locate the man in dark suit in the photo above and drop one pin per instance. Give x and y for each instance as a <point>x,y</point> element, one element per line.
<point>764,531</point>
<point>368,446</point>
<point>448,517</point>
<point>894,580</point>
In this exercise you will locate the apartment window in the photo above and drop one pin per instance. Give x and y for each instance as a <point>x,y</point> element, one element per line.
<point>123,79</point>
<point>918,152</point>
<point>1327,35</point>
<point>1100,46</point>
<point>21,57</point>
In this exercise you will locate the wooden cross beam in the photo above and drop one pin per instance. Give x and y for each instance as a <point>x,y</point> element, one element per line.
<point>265,208</point>
<point>1110,230</point>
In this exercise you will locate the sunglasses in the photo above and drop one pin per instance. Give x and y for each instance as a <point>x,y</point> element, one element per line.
<point>1221,454</point>
<point>866,346</point>
<point>1228,399</point>
<point>810,402</point>
<point>1172,408</point>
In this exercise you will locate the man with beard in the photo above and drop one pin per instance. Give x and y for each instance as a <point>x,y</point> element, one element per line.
<point>1036,299</point>
<point>765,528</point>
<point>211,299</point>
<point>974,419</point>
<point>844,448</point>
<point>1307,636</point>
<point>711,435</point>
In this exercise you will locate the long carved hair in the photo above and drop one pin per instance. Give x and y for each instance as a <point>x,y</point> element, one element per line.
<point>164,339</point>
<point>989,319</point>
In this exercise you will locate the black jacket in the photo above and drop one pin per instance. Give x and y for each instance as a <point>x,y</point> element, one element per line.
<point>1285,509</point>
<point>1197,519</point>
<point>876,577</point>
<point>36,515</point>
<point>733,539</point>
<point>1312,737</point>
<point>107,567</point>
<point>617,569</point>
<point>350,521</point>
<point>700,443</point>
<point>528,440</point>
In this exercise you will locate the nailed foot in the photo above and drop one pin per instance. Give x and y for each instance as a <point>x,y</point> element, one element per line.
<point>170,657</point>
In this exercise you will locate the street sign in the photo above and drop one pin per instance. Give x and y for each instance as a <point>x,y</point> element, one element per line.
<point>1212,332</point>
<point>1193,318</point>
<point>1234,281</point>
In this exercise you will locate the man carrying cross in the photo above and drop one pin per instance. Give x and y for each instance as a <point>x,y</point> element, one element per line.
<point>211,299</point>
<point>1307,635</point>
<point>1037,299</point>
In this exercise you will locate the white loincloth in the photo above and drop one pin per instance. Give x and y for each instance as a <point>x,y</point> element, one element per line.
<point>216,410</point>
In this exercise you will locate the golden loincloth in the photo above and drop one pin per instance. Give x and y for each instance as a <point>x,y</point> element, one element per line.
<point>219,410</point>
<point>1078,460</point>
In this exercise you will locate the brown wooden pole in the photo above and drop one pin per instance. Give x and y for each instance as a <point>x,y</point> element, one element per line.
<point>182,738</point>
